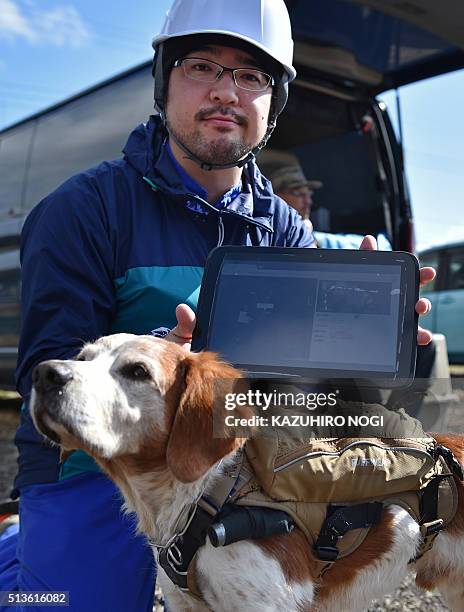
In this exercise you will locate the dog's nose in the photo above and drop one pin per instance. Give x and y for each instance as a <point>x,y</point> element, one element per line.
<point>51,376</point>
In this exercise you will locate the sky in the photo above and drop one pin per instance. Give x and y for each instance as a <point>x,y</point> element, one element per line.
<point>51,49</point>
<point>433,137</point>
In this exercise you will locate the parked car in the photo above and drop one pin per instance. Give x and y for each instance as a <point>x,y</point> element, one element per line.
<point>335,126</point>
<point>446,293</point>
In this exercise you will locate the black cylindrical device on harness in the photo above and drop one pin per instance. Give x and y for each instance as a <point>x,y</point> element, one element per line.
<point>248,523</point>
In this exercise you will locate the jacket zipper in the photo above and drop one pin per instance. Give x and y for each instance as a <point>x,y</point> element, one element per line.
<point>339,453</point>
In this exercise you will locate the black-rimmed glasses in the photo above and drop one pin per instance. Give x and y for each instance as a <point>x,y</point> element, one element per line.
<point>200,69</point>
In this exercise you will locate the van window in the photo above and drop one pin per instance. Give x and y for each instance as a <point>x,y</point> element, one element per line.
<point>14,150</point>
<point>86,131</point>
<point>455,270</point>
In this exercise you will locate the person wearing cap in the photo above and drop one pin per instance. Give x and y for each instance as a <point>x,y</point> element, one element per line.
<point>121,248</point>
<point>291,185</point>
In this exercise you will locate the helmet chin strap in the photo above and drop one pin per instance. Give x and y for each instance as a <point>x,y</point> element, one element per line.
<point>209,166</point>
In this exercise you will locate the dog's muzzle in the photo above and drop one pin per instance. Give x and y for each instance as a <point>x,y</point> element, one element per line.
<point>49,380</point>
<point>50,377</point>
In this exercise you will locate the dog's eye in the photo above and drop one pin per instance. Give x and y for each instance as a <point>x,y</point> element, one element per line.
<point>136,371</point>
<point>80,358</point>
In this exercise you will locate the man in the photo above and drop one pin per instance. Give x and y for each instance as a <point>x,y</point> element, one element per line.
<point>290,184</point>
<point>119,247</point>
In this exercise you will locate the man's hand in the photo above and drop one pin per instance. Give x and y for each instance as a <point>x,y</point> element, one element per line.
<point>423,305</point>
<point>182,332</point>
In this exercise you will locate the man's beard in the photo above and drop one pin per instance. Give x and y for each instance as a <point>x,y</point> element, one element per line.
<point>214,150</point>
<point>219,150</point>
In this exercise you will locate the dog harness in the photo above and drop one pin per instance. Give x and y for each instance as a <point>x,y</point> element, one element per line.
<point>334,527</point>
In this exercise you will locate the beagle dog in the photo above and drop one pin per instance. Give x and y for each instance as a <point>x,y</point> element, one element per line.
<point>143,408</point>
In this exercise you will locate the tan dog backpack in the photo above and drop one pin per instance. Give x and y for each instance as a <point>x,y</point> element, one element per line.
<point>335,489</point>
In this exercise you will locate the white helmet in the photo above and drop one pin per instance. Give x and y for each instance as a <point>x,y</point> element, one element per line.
<point>263,24</point>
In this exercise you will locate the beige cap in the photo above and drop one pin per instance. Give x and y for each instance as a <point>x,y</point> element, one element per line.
<point>291,177</point>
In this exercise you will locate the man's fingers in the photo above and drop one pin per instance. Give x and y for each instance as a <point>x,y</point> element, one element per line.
<point>186,320</point>
<point>182,332</point>
<point>427,275</point>
<point>424,336</point>
<point>369,243</point>
<point>423,306</point>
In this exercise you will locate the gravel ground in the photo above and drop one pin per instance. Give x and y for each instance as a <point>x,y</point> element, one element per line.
<point>405,599</point>
<point>408,597</point>
<point>9,417</point>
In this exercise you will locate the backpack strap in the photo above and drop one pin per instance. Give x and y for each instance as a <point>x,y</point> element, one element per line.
<point>451,460</point>
<point>341,519</point>
<point>430,523</point>
<point>177,558</point>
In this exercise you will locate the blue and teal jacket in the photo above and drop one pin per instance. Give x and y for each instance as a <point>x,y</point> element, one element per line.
<point>116,249</point>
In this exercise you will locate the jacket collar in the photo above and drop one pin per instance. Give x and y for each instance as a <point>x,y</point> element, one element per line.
<point>146,152</point>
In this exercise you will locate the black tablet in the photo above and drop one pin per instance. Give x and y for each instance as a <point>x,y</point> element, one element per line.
<point>311,313</point>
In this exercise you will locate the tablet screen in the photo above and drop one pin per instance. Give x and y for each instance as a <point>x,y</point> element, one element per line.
<point>275,312</point>
<point>311,312</point>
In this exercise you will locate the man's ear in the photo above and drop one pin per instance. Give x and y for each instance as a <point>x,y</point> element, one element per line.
<point>199,437</point>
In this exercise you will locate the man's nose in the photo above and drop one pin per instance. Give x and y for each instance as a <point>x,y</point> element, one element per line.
<point>305,200</point>
<point>224,90</point>
<point>51,376</point>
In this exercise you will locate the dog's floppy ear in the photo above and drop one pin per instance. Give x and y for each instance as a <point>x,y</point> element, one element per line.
<point>195,445</point>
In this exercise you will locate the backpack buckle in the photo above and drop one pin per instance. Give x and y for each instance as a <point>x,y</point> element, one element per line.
<point>339,526</point>
<point>327,553</point>
<point>432,528</point>
<point>429,532</point>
